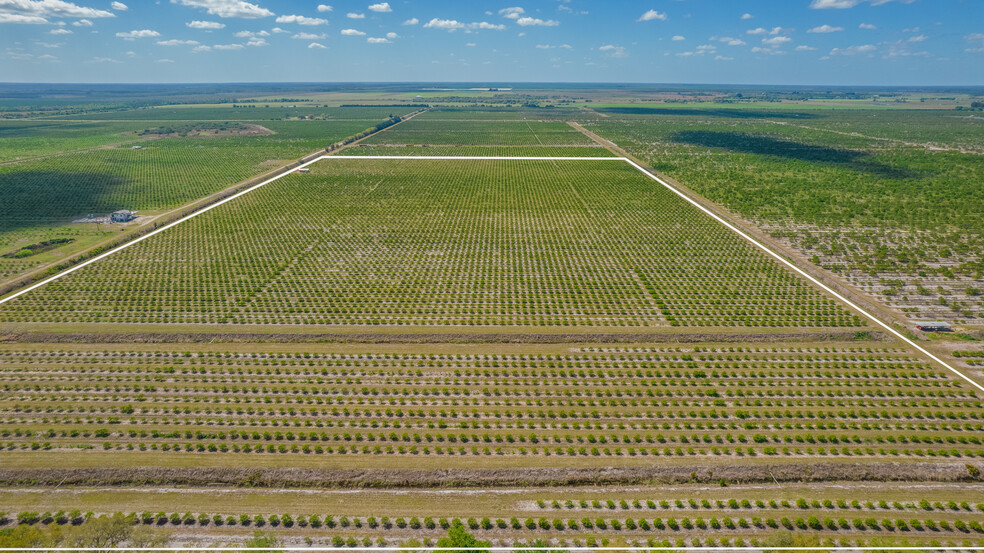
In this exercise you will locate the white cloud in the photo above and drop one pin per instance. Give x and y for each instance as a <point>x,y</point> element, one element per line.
<point>323,8</point>
<point>278,30</point>
<point>758,31</point>
<point>82,23</point>
<point>471,44</point>
<point>446,24</point>
<point>309,36</point>
<point>142,33</point>
<point>50,8</point>
<point>866,26</point>
<point>354,15</point>
<point>731,41</point>
<point>317,45</point>
<point>512,13</point>
<point>176,42</point>
<point>257,42</point>
<point>61,32</point>
<point>382,7</point>
<point>228,46</point>
<point>804,48</point>
<point>777,30</point>
<point>373,40</point>
<point>487,26</point>
<point>103,60</point>
<point>918,38</point>
<point>352,32</point>
<point>202,48</point>
<point>976,41</point>
<point>652,15</point>
<point>119,6</point>
<point>844,4</point>
<point>22,19</point>
<point>452,25</point>
<point>227,8</point>
<point>747,16</point>
<point>527,21</point>
<point>165,60</point>
<point>614,51</point>
<point>411,21</point>
<point>853,50</point>
<point>39,11</point>
<point>678,38</point>
<point>723,58</point>
<point>251,34</point>
<point>776,41</point>
<point>392,35</point>
<point>301,20</point>
<point>770,51</point>
<point>825,29</point>
<point>544,46</point>
<point>205,25</point>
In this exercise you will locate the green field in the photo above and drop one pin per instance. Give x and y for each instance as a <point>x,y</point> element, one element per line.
<point>562,350</point>
<point>444,242</point>
<point>887,199</point>
<point>425,131</point>
<point>52,172</point>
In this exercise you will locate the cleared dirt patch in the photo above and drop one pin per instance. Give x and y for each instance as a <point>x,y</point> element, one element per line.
<point>205,130</point>
<point>472,478</point>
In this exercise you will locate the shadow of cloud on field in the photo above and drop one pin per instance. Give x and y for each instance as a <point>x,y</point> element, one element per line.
<point>32,198</point>
<point>767,146</point>
<point>727,113</point>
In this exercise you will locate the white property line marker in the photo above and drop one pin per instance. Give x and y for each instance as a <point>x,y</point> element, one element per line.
<point>670,187</point>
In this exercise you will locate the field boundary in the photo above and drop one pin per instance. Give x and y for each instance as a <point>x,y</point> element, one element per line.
<point>179,213</point>
<point>638,167</point>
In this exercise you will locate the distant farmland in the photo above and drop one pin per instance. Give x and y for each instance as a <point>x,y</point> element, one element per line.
<point>562,350</point>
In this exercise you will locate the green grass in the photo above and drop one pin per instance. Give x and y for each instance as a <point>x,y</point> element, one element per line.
<point>27,139</point>
<point>43,195</point>
<point>886,207</point>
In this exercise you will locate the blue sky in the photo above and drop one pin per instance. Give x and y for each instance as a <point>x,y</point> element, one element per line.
<point>835,42</point>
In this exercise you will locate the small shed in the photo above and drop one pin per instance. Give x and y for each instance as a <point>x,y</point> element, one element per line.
<point>122,216</point>
<point>933,326</point>
<point>136,147</point>
<point>303,170</point>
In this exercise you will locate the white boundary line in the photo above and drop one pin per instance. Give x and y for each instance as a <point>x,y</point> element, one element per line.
<point>670,187</point>
<point>804,274</point>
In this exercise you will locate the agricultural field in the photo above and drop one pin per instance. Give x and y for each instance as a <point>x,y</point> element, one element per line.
<point>717,422</point>
<point>898,215</point>
<point>377,352</point>
<point>422,131</point>
<point>447,242</point>
<point>244,112</point>
<point>585,150</point>
<point>55,172</point>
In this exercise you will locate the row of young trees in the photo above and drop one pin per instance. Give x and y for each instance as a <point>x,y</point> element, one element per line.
<point>760,504</point>
<point>678,524</point>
